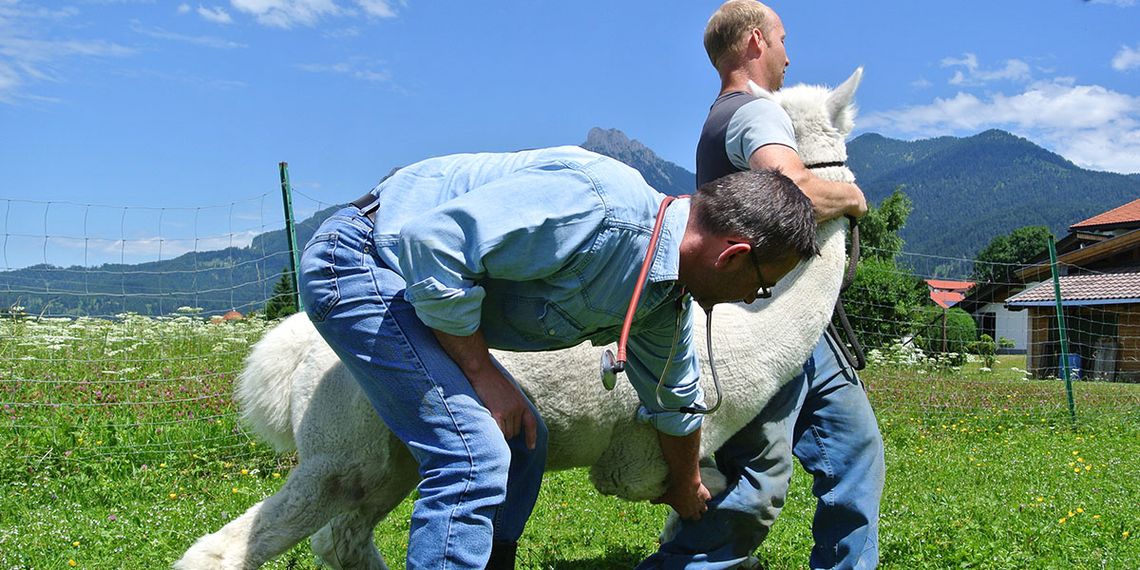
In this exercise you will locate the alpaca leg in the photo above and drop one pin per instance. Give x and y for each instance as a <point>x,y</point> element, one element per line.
<point>347,540</point>
<point>317,489</point>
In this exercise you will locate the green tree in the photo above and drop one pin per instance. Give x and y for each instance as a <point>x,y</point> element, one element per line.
<point>879,229</point>
<point>881,301</point>
<point>283,302</point>
<point>999,261</point>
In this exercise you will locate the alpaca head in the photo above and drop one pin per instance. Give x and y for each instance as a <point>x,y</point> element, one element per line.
<point>822,117</point>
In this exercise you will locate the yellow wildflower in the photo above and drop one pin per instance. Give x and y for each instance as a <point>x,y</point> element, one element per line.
<point>1062,520</point>
<point>75,544</point>
<point>245,471</point>
<point>1125,534</point>
<point>1080,510</point>
<point>72,562</point>
<point>174,495</point>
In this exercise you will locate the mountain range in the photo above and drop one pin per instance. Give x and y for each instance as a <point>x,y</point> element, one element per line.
<point>965,191</point>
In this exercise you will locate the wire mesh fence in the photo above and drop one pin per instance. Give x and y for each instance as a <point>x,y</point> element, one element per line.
<point>134,349</point>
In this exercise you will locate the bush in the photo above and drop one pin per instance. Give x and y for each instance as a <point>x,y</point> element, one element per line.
<point>882,301</point>
<point>960,332</point>
<point>986,348</point>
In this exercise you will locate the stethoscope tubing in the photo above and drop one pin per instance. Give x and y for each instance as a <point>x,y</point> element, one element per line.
<point>612,366</point>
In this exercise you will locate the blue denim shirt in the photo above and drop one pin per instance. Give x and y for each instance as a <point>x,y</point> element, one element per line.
<point>541,250</point>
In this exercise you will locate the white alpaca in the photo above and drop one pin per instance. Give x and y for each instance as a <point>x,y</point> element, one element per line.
<point>296,394</point>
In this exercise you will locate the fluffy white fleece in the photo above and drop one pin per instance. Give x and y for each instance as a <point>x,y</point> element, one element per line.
<point>295,394</point>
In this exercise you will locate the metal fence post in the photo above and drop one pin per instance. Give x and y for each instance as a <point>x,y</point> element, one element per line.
<point>290,232</point>
<point>1061,329</point>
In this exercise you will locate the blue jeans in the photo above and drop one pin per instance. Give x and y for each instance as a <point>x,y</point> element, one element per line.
<point>822,417</point>
<point>476,487</point>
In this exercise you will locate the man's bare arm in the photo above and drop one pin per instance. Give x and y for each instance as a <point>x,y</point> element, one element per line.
<point>685,492</point>
<point>829,199</point>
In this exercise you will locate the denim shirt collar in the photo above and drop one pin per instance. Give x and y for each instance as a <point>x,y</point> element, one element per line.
<point>667,260</point>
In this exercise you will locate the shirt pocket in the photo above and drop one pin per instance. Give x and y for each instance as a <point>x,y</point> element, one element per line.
<point>541,320</point>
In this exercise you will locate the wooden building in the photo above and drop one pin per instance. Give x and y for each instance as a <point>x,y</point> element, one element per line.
<point>1099,266</point>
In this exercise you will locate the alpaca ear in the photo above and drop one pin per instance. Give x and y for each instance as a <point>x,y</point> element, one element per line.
<point>758,91</point>
<point>841,102</point>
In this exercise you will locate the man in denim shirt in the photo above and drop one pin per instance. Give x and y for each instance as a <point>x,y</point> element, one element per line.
<point>535,250</point>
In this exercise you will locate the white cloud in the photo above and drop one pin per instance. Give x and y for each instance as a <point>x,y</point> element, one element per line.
<point>216,15</point>
<point>920,83</point>
<point>26,59</point>
<point>973,74</point>
<point>1127,58</point>
<point>291,13</point>
<point>1121,3</point>
<point>150,248</point>
<point>1093,126</point>
<point>288,13</point>
<point>183,8</point>
<point>377,8</point>
<point>365,71</point>
<point>205,41</point>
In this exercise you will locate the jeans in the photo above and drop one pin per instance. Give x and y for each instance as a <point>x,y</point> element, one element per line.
<point>476,487</point>
<point>822,417</point>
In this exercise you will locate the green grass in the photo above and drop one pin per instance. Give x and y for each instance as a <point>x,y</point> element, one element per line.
<point>119,447</point>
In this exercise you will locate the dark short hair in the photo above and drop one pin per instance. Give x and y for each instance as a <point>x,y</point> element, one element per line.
<point>762,206</point>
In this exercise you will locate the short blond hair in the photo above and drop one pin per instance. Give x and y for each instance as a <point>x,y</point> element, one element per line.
<point>729,25</point>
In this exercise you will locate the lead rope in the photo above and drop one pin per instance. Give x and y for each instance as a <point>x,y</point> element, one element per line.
<point>854,355</point>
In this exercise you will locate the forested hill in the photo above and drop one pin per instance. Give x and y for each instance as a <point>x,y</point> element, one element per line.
<point>968,190</point>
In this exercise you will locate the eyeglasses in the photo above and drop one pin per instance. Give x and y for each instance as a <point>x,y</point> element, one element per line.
<point>765,290</point>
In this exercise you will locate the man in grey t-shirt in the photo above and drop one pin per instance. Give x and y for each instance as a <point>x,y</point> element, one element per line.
<point>822,416</point>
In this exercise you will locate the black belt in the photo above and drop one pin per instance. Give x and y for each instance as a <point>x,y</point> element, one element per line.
<point>368,203</point>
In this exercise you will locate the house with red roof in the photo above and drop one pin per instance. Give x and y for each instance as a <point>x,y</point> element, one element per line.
<point>1099,268</point>
<point>946,293</point>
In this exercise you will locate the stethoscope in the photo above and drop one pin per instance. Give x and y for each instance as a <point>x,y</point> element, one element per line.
<point>612,365</point>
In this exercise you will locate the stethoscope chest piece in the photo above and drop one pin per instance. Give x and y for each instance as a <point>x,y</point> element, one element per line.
<point>610,369</point>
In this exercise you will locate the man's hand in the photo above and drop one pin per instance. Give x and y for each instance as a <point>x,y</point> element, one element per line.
<point>506,405</point>
<point>499,395</point>
<point>687,499</point>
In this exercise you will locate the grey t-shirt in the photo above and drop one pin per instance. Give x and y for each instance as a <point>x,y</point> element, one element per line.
<point>737,125</point>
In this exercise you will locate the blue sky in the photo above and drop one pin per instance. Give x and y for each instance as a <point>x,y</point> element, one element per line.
<point>180,111</point>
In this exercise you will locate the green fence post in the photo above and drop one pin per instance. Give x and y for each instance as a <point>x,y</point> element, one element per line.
<point>1061,330</point>
<point>290,231</point>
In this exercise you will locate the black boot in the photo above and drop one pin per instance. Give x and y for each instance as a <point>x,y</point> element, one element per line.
<point>502,555</point>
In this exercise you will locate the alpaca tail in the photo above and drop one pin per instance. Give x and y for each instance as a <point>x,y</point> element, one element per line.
<point>264,390</point>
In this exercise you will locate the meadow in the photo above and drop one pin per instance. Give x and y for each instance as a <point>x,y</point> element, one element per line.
<point>120,446</point>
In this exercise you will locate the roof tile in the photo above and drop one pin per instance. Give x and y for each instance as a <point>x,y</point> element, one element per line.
<point>1129,212</point>
<point>1102,286</point>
